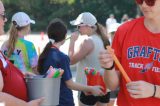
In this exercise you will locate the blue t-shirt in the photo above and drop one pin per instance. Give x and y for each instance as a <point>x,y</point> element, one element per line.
<point>57,59</point>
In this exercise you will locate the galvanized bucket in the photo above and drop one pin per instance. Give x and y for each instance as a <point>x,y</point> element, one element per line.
<point>49,88</point>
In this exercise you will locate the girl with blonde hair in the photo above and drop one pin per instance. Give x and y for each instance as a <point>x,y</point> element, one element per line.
<point>21,52</point>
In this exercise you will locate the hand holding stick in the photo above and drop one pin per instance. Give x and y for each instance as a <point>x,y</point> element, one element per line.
<point>119,65</point>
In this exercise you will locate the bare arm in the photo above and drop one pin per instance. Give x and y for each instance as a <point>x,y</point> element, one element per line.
<point>34,70</point>
<point>85,48</point>
<point>111,77</point>
<point>10,100</point>
<point>96,90</point>
<point>73,39</point>
<point>136,89</point>
<point>157,91</point>
<point>143,89</point>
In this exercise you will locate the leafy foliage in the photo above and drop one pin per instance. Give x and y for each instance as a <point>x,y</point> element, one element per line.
<point>43,11</point>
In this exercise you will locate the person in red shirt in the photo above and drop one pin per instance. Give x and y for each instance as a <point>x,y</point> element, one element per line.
<point>136,45</point>
<point>13,91</point>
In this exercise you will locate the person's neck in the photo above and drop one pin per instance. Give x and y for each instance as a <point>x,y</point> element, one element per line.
<point>21,35</point>
<point>153,25</point>
<point>57,45</point>
<point>89,33</point>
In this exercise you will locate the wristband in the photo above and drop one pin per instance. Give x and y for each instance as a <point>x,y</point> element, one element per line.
<point>154,93</point>
<point>110,68</point>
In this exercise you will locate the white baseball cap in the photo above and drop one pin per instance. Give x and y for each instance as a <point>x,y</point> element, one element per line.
<point>113,27</point>
<point>22,19</point>
<point>85,18</point>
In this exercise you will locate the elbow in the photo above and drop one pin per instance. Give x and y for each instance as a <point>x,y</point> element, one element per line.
<point>72,61</point>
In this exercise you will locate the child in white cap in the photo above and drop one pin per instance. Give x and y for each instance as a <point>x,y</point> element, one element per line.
<point>21,52</point>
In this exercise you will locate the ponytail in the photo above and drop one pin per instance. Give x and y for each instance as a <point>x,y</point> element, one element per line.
<point>13,36</point>
<point>101,33</point>
<point>42,57</point>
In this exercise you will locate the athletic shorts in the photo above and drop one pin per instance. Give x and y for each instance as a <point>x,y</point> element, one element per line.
<point>92,100</point>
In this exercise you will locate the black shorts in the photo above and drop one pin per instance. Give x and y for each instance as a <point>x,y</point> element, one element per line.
<point>92,100</point>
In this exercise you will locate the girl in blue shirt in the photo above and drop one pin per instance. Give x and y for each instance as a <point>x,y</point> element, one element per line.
<point>52,56</point>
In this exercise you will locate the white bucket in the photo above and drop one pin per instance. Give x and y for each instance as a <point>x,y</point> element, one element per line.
<point>49,88</point>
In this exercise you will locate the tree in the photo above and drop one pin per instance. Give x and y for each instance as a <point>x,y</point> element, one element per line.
<point>44,11</point>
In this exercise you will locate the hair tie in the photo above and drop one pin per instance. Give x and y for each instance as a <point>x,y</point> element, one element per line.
<point>52,40</point>
<point>15,24</point>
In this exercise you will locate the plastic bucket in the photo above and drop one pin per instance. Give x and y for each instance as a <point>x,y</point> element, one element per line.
<point>49,88</point>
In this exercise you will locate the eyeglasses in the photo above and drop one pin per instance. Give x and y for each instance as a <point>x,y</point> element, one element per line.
<point>148,2</point>
<point>3,16</point>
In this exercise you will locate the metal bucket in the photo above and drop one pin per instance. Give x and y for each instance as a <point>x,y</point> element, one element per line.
<point>49,88</point>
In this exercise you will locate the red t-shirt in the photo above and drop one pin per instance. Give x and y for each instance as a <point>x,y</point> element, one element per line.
<point>139,53</point>
<point>14,82</point>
